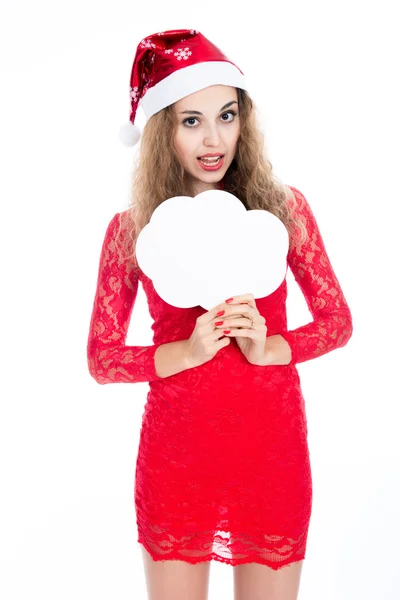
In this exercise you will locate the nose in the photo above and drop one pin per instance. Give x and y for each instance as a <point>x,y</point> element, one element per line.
<point>212,136</point>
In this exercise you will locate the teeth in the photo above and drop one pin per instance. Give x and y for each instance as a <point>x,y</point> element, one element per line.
<point>211,161</point>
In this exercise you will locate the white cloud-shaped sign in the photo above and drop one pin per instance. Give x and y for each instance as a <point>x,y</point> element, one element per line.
<point>202,250</point>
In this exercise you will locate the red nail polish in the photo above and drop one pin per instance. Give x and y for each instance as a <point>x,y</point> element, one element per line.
<point>227,330</point>
<point>218,323</point>
<point>229,300</point>
<point>220,313</point>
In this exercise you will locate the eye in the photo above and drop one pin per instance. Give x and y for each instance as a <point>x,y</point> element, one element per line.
<point>229,112</point>
<point>189,119</point>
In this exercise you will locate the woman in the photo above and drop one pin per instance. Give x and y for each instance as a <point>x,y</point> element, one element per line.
<point>223,470</point>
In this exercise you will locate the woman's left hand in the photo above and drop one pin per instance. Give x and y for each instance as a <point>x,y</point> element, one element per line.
<point>239,313</point>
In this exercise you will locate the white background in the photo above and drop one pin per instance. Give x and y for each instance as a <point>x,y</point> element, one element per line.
<point>324,77</point>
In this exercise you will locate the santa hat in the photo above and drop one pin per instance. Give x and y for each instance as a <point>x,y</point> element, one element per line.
<point>171,65</point>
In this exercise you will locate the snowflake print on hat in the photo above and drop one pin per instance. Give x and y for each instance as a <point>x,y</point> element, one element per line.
<point>147,44</point>
<point>134,93</point>
<point>182,53</point>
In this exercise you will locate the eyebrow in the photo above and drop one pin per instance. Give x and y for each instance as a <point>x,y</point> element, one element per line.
<point>196,112</point>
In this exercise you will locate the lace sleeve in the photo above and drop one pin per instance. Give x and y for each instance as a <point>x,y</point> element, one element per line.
<point>332,326</point>
<point>109,359</point>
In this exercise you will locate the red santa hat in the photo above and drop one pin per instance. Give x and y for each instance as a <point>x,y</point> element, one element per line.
<point>170,65</point>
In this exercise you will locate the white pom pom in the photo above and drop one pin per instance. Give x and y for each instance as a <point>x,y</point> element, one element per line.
<point>129,134</point>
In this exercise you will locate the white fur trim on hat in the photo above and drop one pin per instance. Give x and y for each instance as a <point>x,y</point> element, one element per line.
<point>188,80</point>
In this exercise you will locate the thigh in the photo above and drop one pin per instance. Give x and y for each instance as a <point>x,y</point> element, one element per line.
<point>177,579</point>
<point>260,582</point>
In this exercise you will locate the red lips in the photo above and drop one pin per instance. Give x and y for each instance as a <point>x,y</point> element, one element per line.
<point>209,154</point>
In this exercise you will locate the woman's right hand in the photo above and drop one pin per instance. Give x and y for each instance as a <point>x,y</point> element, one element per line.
<point>206,340</point>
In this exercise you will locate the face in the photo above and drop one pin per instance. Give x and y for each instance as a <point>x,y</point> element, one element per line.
<point>207,123</point>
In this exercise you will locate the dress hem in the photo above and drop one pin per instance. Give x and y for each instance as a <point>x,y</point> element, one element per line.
<point>217,557</point>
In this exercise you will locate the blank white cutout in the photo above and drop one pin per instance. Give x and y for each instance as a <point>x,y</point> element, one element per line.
<point>198,251</point>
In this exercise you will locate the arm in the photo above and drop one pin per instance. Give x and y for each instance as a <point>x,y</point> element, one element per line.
<point>332,326</point>
<point>109,359</point>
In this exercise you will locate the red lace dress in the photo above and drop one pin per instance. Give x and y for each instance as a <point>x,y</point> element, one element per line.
<point>223,468</point>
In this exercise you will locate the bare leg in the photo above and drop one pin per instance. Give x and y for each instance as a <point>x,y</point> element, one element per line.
<point>260,582</point>
<point>175,579</point>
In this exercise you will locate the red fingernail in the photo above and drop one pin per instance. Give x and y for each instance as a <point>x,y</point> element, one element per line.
<point>220,313</point>
<point>227,330</point>
<point>229,300</point>
<point>218,323</point>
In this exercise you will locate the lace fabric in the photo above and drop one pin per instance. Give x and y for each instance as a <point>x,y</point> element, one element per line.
<point>332,322</point>
<point>109,359</point>
<point>223,468</point>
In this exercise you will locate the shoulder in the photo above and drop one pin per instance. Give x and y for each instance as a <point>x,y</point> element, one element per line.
<point>126,219</point>
<point>294,200</point>
<point>296,197</point>
<point>119,223</point>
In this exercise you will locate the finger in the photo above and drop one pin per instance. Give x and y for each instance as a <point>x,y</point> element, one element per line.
<point>218,312</point>
<point>232,321</point>
<point>245,310</point>
<point>241,308</point>
<point>243,299</point>
<point>248,333</point>
<point>258,331</point>
<point>225,310</point>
